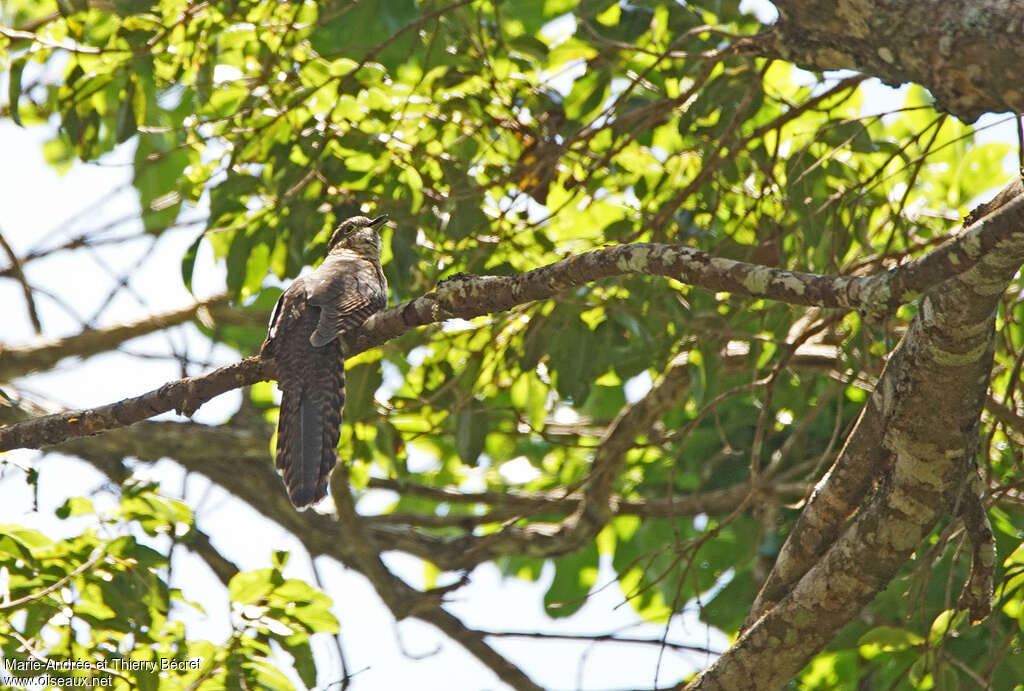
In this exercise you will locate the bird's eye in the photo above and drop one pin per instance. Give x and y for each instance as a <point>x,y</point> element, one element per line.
<point>347,228</point>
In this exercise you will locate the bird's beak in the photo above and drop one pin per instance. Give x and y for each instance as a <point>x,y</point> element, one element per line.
<point>379,221</point>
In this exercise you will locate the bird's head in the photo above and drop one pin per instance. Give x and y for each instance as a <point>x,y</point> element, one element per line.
<point>358,234</point>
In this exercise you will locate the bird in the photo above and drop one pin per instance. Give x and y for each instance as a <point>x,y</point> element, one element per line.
<point>313,322</point>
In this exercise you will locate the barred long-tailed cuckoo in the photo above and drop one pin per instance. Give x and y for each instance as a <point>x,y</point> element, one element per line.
<point>312,323</point>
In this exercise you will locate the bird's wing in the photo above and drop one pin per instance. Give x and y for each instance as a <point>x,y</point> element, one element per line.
<point>343,288</point>
<point>284,309</point>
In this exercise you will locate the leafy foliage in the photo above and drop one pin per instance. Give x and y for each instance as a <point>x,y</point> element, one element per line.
<point>100,599</point>
<point>499,138</point>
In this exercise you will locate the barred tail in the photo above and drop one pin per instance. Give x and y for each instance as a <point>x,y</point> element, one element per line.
<point>309,426</point>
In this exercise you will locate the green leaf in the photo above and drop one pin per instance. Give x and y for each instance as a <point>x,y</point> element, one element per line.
<point>575,574</point>
<point>14,86</point>
<point>466,219</point>
<point>633,21</point>
<point>238,260</point>
<point>882,639</point>
<point>156,514</point>
<point>126,125</point>
<point>160,160</point>
<point>32,539</point>
<point>471,431</point>
<point>352,31</point>
<point>572,359</point>
<point>316,619</point>
<point>263,674</point>
<point>305,665</point>
<point>126,8</point>
<point>246,337</point>
<point>413,183</point>
<point>257,264</point>
<point>59,154</point>
<point>188,262</point>
<point>226,100</point>
<point>252,586</point>
<point>945,625</point>
<point>11,548</point>
<point>75,506</point>
<point>829,670</point>
<point>588,93</point>
<point>529,45</point>
<point>728,608</point>
<point>361,382</point>
<point>404,263</point>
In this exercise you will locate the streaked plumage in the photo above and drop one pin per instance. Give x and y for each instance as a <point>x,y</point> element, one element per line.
<point>310,323</point>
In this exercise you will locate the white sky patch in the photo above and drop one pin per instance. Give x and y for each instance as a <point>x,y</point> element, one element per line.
<point>802,77</point>
<point>474,480</point>
<point>637,387</point>
<point>455,325</point>
<point>897,191</point>
<point>391,381</point>
<point>762,9</point>
<point>784,417</point>
<point>564,415</point>
<point>998,127</point>
<point>559,29</point>
<point>417,355</point>
<point>518,471</point>
<point>420,461</point>
<point>630,199</point>
<point>562,80</point>
<point>226,73</point>
<point>377,501</point>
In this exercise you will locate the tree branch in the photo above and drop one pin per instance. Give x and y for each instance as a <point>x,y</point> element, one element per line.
<point>474,641</point>
<point>960,50</point>
<point>976,596</point>
<point>595,505</point>
<point>222,567</point>
<point>602,637</point>
<point>193,445</point>
<point>927,408</point>
<point>715,501</point>
<point>26,289</point>
<point>473,297</point>
<point>184,395</point>
<point>862,460</point>
<point>16,361</point>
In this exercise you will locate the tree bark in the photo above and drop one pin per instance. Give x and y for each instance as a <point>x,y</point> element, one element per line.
<point>966,52</point>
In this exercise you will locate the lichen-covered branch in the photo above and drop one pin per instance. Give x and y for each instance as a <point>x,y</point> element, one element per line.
<point>185,395</point>
<point>961,50</point>
<point>862,460</point>
<point>927,408</point>
<point>477,296</point>
<point>837,496</point>
<point>976,595</point>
